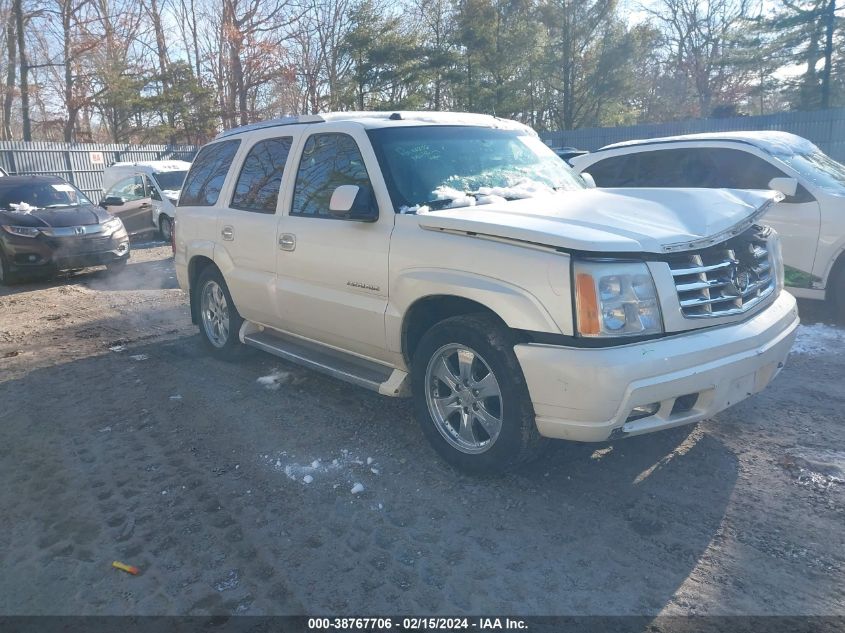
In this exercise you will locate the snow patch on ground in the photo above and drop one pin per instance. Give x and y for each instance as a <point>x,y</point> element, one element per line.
<point>818,469</point>
<point>274,380</point>
<point>345,467</point>
<point>819,338</point>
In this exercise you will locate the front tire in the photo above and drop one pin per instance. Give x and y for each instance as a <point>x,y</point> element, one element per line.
<point>470,397</point>
<point>838,299</point>
<point>7,278</point>
<point>219,319</point>
<point>116,267</point>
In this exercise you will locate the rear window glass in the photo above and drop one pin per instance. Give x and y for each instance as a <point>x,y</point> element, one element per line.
<point>208,173</point>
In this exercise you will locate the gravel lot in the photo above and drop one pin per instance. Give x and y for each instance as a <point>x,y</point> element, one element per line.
<point>120,439</point>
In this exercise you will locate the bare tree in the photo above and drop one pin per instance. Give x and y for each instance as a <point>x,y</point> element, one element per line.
<point>699,36</point>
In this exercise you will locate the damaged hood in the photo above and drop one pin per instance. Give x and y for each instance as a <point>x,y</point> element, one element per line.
<point>613,220</point>
<point>57,217</point>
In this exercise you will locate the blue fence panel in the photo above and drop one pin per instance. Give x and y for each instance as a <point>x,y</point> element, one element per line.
<point>825,128</point>
<point>72,161</point>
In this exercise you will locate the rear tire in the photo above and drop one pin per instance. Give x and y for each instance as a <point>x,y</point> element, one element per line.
<point>470,396</point>
<point>219,320</point>
<point>165,227</point>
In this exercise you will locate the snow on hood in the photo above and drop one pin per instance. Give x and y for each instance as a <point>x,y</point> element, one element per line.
<point>612,220</point>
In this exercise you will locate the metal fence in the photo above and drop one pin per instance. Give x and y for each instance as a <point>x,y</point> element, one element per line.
<point>82,164</point>
<point>825,128</point>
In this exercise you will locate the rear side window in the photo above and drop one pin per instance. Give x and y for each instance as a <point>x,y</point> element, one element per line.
<point>208,173</point>
<point>258,185</point>
<point>328,161</point>
<point>675,168</point>
<point>616,171</point>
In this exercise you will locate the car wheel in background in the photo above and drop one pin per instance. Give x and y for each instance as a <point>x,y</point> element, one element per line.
<point>219,319</point>
<point>116,267</point>
<point>838,301</point>
<point>165,227</point>
<point>6,276</point>
<point>470,397</point>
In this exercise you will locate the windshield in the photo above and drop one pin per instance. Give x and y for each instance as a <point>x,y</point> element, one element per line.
<point>438,167</point>
<point>170,180</point>
<point>40,195</point>
<point>818,168</point>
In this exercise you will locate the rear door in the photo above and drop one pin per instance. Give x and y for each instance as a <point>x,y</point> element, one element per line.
<point>136,209</point>
<point>247,228</point>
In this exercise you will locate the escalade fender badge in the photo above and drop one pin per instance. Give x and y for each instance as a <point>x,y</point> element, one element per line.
<point>363,286</point>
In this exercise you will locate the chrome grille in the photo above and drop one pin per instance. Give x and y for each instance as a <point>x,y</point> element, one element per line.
<point>726,279</point>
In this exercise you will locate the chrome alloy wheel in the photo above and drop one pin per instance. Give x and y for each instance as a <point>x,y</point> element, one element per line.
<point>214,311</point>
<point>464,398</point>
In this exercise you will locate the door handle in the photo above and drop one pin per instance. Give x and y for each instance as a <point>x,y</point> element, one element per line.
<point>287,241</point>
<point>228,233</point>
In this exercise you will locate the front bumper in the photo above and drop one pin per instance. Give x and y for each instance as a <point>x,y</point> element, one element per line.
<point>588,395</point>
<point>27,255</point>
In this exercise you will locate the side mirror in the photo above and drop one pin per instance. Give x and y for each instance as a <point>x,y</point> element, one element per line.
<point>786,186</point>
<point>351,202</point>
<point>112,201</point>
<point>588,180</point>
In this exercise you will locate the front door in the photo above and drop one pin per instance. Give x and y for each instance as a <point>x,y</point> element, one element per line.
<point>797,219</point>
<point>135,208</point>
<point>333,273</point>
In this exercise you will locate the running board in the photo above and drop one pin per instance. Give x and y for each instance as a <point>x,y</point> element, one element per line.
<point>364,373</point>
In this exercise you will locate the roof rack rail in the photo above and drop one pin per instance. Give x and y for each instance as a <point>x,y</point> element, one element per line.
<point>286,120</point>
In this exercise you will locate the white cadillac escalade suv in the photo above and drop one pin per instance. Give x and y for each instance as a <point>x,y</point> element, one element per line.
<point>456,259</point>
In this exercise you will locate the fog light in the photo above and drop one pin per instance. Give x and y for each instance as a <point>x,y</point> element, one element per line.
<point>32,258</point>
<point>643,411</point>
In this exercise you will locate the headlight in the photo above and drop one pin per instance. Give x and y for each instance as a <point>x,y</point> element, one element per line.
<point>112,224</point>
<point>776,256</point>
<point>615,299</point>
<point>22,231</point>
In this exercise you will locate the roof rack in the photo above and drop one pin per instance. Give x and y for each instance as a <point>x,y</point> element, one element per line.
<point>285,120</point>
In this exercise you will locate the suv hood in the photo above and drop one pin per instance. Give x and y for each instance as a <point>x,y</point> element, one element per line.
<point>57,217</point>
<point>613,220</point>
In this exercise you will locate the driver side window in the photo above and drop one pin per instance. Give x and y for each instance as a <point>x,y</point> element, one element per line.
<point>130,189</point>
<point>328,161</point>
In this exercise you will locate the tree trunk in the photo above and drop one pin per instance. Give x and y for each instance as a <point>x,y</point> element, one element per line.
<point>72,110</point>
<point>830,20</point>
<point>9,97</point>
<point>20,23</point>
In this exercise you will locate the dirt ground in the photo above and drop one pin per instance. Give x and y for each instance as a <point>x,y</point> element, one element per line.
<point>120,439</point>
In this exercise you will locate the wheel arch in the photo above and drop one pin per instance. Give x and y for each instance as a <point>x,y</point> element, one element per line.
<point>197,265</point>
<point>427,311</point>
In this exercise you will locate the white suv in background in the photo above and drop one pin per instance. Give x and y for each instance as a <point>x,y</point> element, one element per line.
<point>455,258</point>
<point>810,220</point>
<point>144,194</point>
